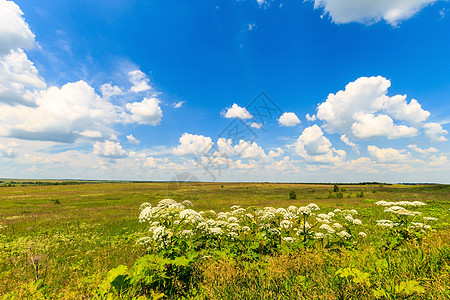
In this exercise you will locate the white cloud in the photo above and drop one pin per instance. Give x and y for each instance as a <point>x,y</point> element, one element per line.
<point>109,149</point>
<point>315,147</point>
<point>243,150</point>
<point>146,112</point>
<point>108,90</point>
<point>7,152</point>
<point>310,118</point>
<point>61,115</point>
<point>14,31</point>
<point>249,150</point>
<point>346,141</point>
<point>132,140</point>
<point>363,110</point>
<point>191,144</point>
<point>389,155</point>
<point>371,11</point>
<point>435,132</point>
<point>225,148</point>
<point>370,126</point>
<point>256,125</point>
<point>288,119</point>
<point>18,79</point>
<point>252,26</point>
<point>423,151</point>
<point>276,153</point>
<point>399,109</point>
<point>93,134</point>
<point>178,104</point>
<point>139,81</point>
<point>438,161</point>
<point>264,3</point>
<point>237,112</point>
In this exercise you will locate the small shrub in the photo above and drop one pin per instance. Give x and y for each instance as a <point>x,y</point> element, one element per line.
<point>292,195</point>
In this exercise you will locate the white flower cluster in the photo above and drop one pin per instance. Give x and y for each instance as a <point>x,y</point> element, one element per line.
<point>400,203</point>
<point>171,220</point>
<point>397,209</point>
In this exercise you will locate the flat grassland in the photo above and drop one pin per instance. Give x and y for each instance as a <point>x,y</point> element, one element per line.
<point>59,239</point>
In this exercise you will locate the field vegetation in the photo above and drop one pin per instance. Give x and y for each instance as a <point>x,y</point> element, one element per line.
<point>97,240</point>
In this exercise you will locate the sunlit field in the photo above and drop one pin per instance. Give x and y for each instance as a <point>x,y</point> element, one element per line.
<point>118,240</point>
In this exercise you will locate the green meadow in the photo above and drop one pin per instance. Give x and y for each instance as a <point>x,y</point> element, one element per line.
<point>66,240</point>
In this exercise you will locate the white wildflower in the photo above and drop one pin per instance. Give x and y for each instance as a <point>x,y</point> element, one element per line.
<point>144,205</point>
<point>337,226</point>
<point>357,222</point>
<point>313,206</point>
<point>292,209</point>
<point>344,234</point>
<point>362,234</point>
<point>319,235</point>
<point>233,235</point>
<point>285,224</point>
<point>288,239</point>
<point>274,231</point>
<point>327,227</point>
<point>238,212</point>
<point>304,210</point>
<point>232,220</point>
<point>281,211</point>
<point>215,231</point>
<point>187,203</point>
<point>245,228</point>
<point>290,216</point>
<point>166,202</point>
<point>187,233</point>
<point>234,226</point>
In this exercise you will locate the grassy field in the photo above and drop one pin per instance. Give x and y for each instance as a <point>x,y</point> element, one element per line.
<point>60,239</point>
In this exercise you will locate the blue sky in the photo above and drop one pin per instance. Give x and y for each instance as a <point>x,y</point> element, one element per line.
<point>145,90</point>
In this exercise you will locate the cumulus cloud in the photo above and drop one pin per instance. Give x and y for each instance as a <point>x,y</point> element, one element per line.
<point>256,125</point>
<point>108,90</point>
<point>276,153</point>
<point>388,155</point>
<point>18,79</point>
<point>139,81</point>
<point>132,140</point>
<point>289,119</point>
<point>370,126</point>
<point>310,118</point>
<point>14,31</point>
<point>315,147</point>
<point>346,141</point>
<point>249,150</point>
<point>109,149</point>
<point>191,144</point>
<point>363,110</point>
<point>237,112</point>
<point>423,151</point>
<point>61,115</point>
<point>146,112</point>
<point>371,11</point>
<point>435,132</point>
<point>438,161</point>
